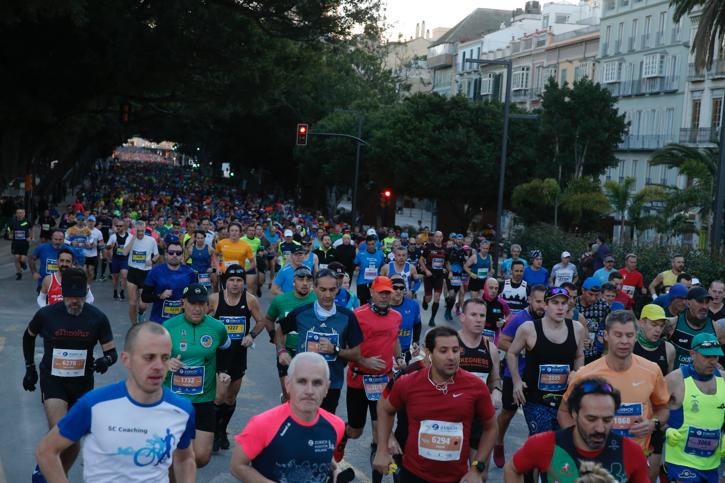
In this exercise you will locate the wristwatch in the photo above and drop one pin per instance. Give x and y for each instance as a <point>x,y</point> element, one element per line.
<point>337,349</point>
<point>658,425</point>
<point>479,465</point>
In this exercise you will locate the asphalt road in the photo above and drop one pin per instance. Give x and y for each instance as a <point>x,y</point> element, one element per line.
<point>24,423</point>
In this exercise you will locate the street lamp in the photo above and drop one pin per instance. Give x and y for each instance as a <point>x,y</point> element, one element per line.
<point>716,234</point>
<point>353,203</point>
<point>504,146</point>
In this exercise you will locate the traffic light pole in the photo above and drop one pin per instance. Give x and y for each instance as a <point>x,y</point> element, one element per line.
<point>504,148</point>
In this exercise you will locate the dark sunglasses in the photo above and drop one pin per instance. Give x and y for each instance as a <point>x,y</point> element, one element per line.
<point>174,252</point>
<point>308,277</point>
<point>596,387</point>
<point>399,287</point>
<point>119,226</point>
<point>707,344</point>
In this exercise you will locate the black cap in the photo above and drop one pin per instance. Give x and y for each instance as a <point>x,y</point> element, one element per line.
<point>337,268</point>
<point>74,283</point>
<point>695,293</point>
<point>235,270</point>
<point>302,272</point>
<point>196,293</point>
<point>298,249</point>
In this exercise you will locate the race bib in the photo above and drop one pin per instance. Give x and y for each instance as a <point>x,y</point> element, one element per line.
<point>69,362</point>
<point>370,273</point>
<point>702,442</point>
<point>19,235</point>
<point>138,257</point>
<point>204,279</point>
<point>456,281</point>
<point>563,277</point>
<point>629,290</point>
<point>374,386</point>
<point>236,326</point>
<point>312,343</point>
<point>482,272</point>
<point>171,308</point>
<point>437,263</point>
<point>627,415</point>
<point>119,251</point>
<point>188,380</point>
<point>405,336</point>
<point>440,440</point>
<point>51,265</point>
<point>553,377</point>
<point>489,333</point>
<point>45,227</point>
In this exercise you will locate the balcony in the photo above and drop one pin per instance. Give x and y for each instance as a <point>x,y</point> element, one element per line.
<point>694,74</point>
<point>675,35</point>
<point>521,95</point>
<point>605,49</point>
<point>717,71</point>
<point>442,60</point>
<point>659,39</point>
<point>630,44</point>
<point>645,142</point>
<point>617,47</point>
<point>645,41</point>
<point>699,135</point>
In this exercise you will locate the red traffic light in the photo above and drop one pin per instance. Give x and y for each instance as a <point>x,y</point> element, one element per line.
<point>387,193</point>
<point>302,134</point>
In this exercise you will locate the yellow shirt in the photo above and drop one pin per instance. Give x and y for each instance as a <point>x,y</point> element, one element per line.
<point>668,278</point>
<point>642,387</point>
<point>233,253</point>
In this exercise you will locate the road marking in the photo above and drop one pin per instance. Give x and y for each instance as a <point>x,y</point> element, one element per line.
<point>3,479</point>
<point>2,346</point>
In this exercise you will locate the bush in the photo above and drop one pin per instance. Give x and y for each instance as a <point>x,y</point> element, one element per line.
<point>551,241</point>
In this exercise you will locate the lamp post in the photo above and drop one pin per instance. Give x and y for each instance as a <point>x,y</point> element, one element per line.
<point>504,146</point>
<point>716,234</point>
<point>358,145</point>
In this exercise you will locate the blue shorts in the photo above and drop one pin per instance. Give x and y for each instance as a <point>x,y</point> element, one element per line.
<point>685,474</point>
<point>118,264</point>
<point>540,418</point>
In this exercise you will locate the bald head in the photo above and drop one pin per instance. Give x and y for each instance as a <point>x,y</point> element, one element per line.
<point>145,329</point>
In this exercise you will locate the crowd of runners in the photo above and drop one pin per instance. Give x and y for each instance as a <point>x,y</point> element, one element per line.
<point>615,375</point>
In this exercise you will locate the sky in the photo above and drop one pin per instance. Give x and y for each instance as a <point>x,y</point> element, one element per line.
<point>404,14</point>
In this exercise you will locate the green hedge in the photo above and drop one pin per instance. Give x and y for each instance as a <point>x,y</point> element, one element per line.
<point>651,259</point>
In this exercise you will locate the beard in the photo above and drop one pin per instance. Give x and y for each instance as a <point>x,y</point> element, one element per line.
<point>74,311</point>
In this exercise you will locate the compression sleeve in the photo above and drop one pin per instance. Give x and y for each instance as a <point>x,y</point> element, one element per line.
<point>42,300</point>
<point>28,348</point>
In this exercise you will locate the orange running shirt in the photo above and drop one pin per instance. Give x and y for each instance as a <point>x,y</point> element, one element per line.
<point>232,253</point>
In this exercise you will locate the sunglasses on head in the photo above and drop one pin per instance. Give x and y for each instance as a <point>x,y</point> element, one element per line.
<point>596,387</point>
<point>174,252</point>
<point>707,344</point>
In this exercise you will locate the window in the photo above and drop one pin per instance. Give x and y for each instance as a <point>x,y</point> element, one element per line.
<point>612,72</point>
<point>520,78</point>
<point>647,24</point>
<point>550,73</point>
<point>653,66</point>
<point>620,33</point>
<point>582,70</point>
<point>527,44</point>
<point>634,168</point>
<point>561,18</point>
<point>545,21</point>
<point>716,112</point>
<point>608,34</point>
<point>539,79</point>
<point>695,115</point>
<point>463,61</point>
<point>633,35</point>
<point>661,24</point>
<point>487,84</point>
<point>563,80</point>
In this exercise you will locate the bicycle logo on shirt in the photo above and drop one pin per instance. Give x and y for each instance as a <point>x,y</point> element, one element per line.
<point>156,451</point>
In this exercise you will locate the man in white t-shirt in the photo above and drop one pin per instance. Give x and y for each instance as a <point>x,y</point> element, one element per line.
<point>142,251</point>
<point>91,251</point>
<point>133,430</point>
<point>563,272</point>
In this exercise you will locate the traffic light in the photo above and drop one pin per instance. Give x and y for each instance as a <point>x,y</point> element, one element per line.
<point>302,134</point>
<point>385,197</point>
<point>387,193</point>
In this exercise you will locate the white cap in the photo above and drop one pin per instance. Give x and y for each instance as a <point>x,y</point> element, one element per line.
<point>565,255</point>
<point>695,281</point>
<point>371,231</point>
<point>288,233</point>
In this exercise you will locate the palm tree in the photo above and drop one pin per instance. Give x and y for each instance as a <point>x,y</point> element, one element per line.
<point>710,28</point>
<point>620,198</point>
<point>640,221</point>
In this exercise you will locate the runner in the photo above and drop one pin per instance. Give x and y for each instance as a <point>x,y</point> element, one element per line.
<point>234,307</point>
<point>675,301</point>
<point>433,265</point>
<point>380,327</point>
<point>441,403</point>
<point>325,253</point>
<point>261,257</point>
<point>46,255</point>
<point>94,241</point>
<point>401,267</point>
<point>595,311</point>
<point>344,297</point>
<point>286,247</point>
<point>345,253</point>
<point>507,264</point>
<point>535,310</point>
<point>455,284</point>
<point>602,275</point>
<point>553,347</point>
<point>564,271</point>
<point>255,243</point>
<point>119,262</point>
<point>369,262</point>
<point>165,283</point>
<point>70,331</point>
<point>203,260</point>
<point>697,410</point>
<point>640,382</point>
<point>633,282</point>
<point>410,326</point>
<point>47,224</point>
<point>664,280</point>
<point>21,232</point>
<point>281,306</point>
<point>310,259</point>
<point>195,338</point>
<point>329,330</point>
<point>478,267</point>
<point>690,323</point>
<point>535,273</point>
<point>283,282</point>
<point>77,237</point>
<point>142,252</point>
<point>156,429</point>
<point>593,404</point>
<point>274,445</point>
<point>515,288</point>
<point>51,290</point>
<point>234,250</point>
<point>497,310</point>
<point>716,306</point>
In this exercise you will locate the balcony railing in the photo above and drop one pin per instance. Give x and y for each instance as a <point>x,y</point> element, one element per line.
<point>645,142</point>
<point>717,69</point>
<point>617,47</point>
<point>659,39</point>
<point>521,94</point>
<point>641,87</point>
<point>630,44</point>
<point>699,135</point>
<point>645,41</point>
<point>695,74</point>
